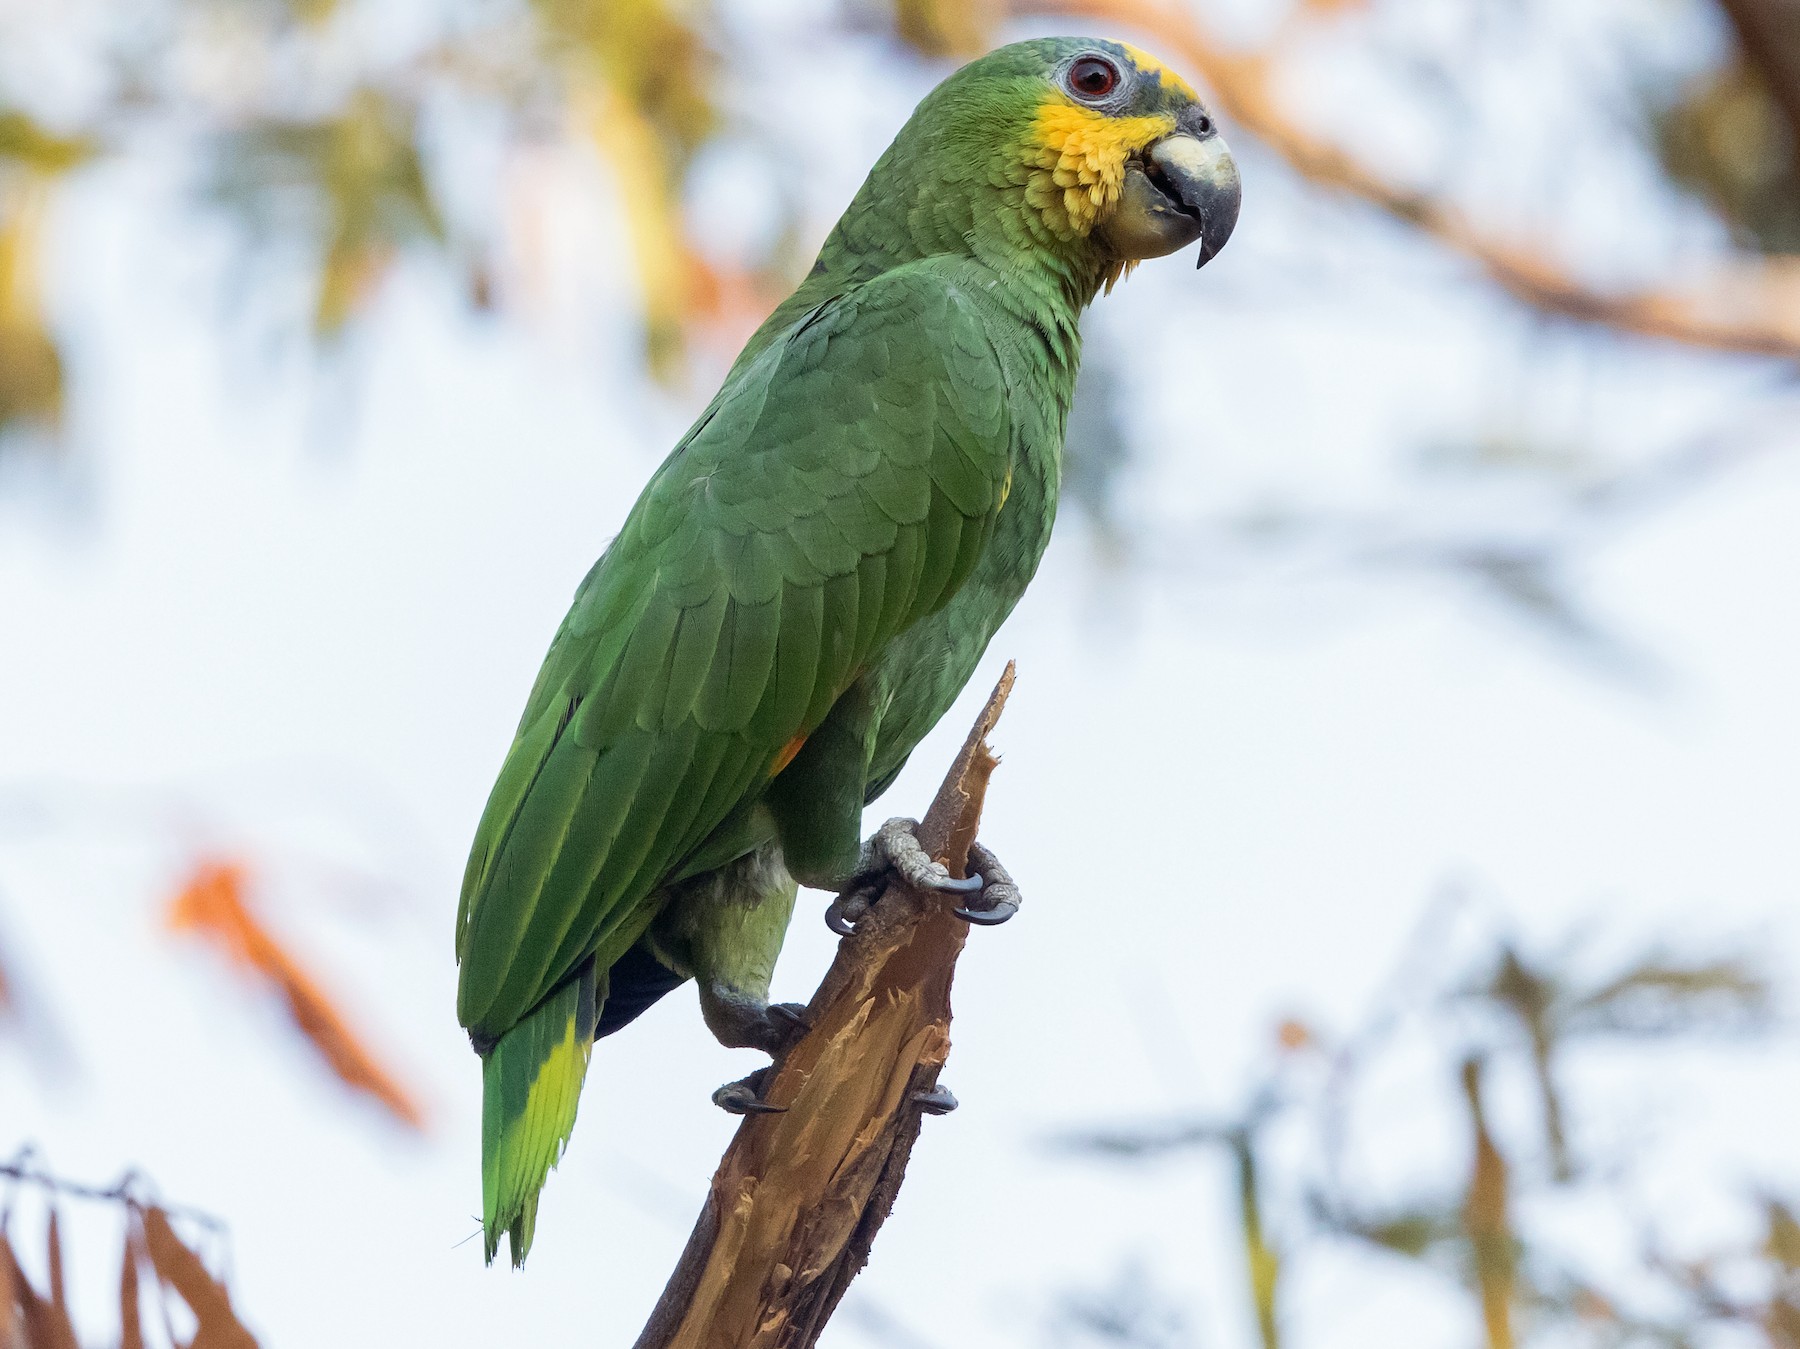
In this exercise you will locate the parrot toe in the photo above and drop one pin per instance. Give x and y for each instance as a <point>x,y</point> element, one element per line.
<point>791,1014</point>
<point>744,1097</point>
<point>846,911</point>
<point>892,852</point>
<point>1000,898</point>
<point>741,1021</point>
<point>894,849</point>
<point>940,1100</point>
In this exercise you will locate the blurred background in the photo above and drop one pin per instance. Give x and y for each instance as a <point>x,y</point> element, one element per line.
<point>1404,765</point>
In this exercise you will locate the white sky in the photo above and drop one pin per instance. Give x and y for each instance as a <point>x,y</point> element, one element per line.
<point>298,611</point>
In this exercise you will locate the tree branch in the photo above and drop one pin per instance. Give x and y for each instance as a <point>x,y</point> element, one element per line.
<point>799,1196</point>
<point>1746,308</point>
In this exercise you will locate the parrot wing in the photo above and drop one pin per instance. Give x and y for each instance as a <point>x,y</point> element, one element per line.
<point>840,487</point>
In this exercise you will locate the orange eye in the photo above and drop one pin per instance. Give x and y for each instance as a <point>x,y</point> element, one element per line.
<point>1093,77</point>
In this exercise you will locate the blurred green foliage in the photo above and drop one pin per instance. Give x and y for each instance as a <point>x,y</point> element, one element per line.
<point>1516,1012</point>
<point>353,180</point>
<point>31,365</point>
<point>349,179</point>
<point>1728,141</point>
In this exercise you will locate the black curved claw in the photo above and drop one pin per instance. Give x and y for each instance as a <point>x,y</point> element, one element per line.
<point>940,1100</point>
<point>744,1097</point>
<point>839,924</point>
<point>993,917</point>
<point>793,1015</point>
<point>950,885</point>
<point>743,1103</point>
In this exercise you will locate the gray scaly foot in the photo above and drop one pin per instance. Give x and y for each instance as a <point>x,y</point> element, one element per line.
<point>893,850</point>
<point>739,1021</point>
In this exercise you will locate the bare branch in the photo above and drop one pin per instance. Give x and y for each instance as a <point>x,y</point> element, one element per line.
<point>799,1196</point>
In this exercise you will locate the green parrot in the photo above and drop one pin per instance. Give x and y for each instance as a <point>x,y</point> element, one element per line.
<point>808,581</point>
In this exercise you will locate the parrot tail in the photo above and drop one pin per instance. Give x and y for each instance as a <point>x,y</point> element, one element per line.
<point>530,1084</point>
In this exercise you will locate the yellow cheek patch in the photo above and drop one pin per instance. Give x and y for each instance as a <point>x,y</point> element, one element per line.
<point>1077,160</point>
<point>1149,65</point>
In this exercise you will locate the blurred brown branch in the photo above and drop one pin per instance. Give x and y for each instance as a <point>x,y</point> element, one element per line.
<point>799,1196</point>
<point>1748,308</point>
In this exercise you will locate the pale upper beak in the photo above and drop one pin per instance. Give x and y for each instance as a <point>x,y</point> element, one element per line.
<point>1184,187</point>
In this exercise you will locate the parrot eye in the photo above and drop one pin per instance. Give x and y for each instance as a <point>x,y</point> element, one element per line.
<point>1093,77</point>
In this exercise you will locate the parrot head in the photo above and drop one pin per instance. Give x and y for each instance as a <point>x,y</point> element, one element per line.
<point>1121,151</point>
<point>1083,154</point>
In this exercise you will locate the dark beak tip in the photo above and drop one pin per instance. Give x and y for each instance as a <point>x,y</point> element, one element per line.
<point>1217,229</point>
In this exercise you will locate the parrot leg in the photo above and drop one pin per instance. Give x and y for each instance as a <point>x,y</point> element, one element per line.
<point>894,850</point>
<point>725,928</point>
<point>745,1021</point>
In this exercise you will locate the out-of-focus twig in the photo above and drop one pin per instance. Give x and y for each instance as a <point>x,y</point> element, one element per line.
<point>1240,1137</point>
<point>1486,1215</point>
<point>1749,308</point>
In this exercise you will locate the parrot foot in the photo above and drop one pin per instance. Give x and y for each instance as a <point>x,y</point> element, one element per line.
<point>740,1022</point>
<point>744,1097</point>
<point>940,1100</point>
<point>893,850</point>
<point>999,899</point>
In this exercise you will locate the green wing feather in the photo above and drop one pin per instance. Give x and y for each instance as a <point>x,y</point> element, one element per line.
<point>840,487</point>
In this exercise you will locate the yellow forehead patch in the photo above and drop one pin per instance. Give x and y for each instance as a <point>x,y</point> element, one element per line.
<point>1151,66</point>
<point>1077,161</point>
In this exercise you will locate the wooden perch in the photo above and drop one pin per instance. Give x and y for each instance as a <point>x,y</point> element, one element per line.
<point>1749,308</point>
<point>798,1198</point>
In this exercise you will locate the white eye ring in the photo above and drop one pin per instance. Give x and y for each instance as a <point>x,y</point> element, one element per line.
<point>1092,78</point>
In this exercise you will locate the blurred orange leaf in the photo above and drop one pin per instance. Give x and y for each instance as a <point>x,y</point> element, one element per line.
<point>62,1329</point>
<point>29,1320</point>
<point>1294,1035</point>
<point>10,1335</point>
<point>217,1324</point>
<point>131,1320</point>
<point>212,904</point>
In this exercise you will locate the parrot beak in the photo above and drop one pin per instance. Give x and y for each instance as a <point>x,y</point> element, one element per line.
<point>1182,188</point>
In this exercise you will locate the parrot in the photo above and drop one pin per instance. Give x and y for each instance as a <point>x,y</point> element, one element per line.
<point>807,582</point>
